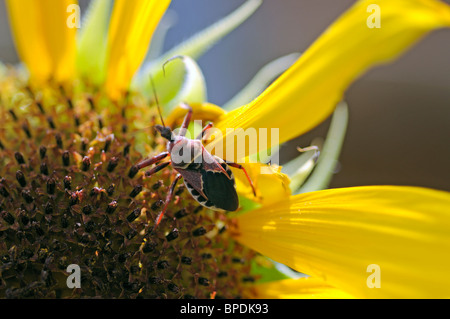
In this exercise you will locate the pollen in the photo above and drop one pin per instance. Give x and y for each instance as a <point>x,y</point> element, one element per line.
<point>70,194</point>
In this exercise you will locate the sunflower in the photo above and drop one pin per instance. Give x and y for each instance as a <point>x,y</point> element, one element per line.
<point>76,119</point>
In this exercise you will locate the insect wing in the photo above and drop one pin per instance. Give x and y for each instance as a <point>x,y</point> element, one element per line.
<point>211,183</point>
<point>218,183</point>
<point>194,183</point>
<point>193,180</point>
<point>220,190</point>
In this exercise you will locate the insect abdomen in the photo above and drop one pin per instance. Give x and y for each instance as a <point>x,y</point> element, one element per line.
<point>199,197</point>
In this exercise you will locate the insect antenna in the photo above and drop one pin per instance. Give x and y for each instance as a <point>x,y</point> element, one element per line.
<point>153,84</point>
<point>165,132</point>
<point>156,100</point>
<point>169,60</point>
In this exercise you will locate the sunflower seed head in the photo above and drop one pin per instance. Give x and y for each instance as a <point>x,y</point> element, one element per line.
<point>70,194</point>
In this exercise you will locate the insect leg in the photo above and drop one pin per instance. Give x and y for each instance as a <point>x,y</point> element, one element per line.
<point>168,200</point>
<point>186,121</point>
<point>152,160</point>
<point>235,165</point>
<point>206,128</point>
<point>156,169</point>
<point>147,162</point>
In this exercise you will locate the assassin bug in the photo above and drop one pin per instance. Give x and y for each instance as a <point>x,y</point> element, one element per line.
<point>207,177</point>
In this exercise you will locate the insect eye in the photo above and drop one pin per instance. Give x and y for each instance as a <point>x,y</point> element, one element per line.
<point>165,132</point>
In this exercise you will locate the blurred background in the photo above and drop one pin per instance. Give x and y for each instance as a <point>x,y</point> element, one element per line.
<point>399,126</point>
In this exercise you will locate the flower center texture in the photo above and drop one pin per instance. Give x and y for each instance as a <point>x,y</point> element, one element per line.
<point>67,197</point>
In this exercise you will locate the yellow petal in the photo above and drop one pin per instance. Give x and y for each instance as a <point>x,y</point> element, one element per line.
<point>301,288</point>
<point>309,90</point>
<point>28,37</point>
<point>271,185</point>
<point>43,39</point>
<point>342,235</point>
<point>200,111</point>
<point>130,32</point>
<point>60,36</point>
